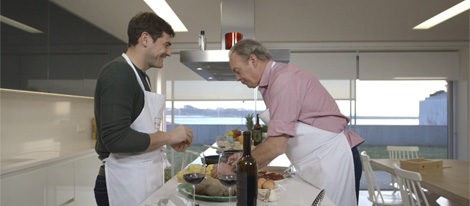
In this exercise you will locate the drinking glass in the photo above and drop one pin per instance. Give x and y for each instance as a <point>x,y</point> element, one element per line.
<point>194,174</point>
<point>226,169</point>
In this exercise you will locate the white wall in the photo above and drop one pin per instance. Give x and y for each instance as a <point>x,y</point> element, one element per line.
<point>32,122</point>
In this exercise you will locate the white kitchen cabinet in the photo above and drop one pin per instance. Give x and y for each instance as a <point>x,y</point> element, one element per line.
<point>86,170</point>
<point>60,187</point>
<point>65,183</point>
<point>27,188</point>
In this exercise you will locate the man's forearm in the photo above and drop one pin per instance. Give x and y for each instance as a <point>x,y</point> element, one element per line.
<point>270,149</point>
<point>157,140</point>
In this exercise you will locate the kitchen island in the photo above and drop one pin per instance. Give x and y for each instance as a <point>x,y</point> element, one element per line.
<point>289,193</point>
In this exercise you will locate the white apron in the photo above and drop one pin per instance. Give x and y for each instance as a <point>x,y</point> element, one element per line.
<point>131,178</point>
<point>323,159</point>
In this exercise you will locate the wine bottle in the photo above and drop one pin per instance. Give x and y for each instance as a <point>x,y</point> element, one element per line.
<point>257,133</point>
<point>247,175</point>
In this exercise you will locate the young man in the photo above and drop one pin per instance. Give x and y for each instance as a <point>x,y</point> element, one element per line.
<point>128,116</point>
<point>304,121</point>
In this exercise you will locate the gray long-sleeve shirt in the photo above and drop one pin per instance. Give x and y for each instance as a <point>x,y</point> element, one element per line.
<point>118,102</point>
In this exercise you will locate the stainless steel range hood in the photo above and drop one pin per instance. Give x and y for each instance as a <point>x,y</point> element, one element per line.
<point>213,65</point>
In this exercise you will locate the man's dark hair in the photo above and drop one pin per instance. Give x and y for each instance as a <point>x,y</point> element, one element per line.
<point>147,22</point>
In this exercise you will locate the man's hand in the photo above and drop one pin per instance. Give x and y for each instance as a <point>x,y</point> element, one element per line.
<point>180,147</point>
<point>181,138</point>
<point>181,134</point>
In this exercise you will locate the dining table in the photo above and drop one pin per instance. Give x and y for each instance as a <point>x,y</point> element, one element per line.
<point>450,182</point>
<point>292,191</point>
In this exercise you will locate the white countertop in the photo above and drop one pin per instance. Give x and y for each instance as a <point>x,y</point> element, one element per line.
<point>44,155</point>
<point>169,195</point>
<point>289,195</point>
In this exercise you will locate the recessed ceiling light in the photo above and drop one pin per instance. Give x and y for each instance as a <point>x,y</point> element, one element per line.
<point>443,16</point>
<point>162,9</point>
<point>19,25</point>
<point>199,69</point>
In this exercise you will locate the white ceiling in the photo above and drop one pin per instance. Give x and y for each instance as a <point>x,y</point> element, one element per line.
<point>293,21</point>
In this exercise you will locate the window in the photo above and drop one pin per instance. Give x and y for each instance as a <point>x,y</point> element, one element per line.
<point>402,113</point>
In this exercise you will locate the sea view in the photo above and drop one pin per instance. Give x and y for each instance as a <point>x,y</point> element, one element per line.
<point>208,120</point>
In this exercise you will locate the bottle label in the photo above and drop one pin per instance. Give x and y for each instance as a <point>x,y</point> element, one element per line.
<point>257,137</point>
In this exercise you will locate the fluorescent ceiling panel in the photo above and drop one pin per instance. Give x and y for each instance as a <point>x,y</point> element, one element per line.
<point>162,9</point>
<point>19,25</point>
<point>443,16</point>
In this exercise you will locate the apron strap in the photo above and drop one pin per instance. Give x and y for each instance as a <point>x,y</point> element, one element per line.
<point>135,71</point>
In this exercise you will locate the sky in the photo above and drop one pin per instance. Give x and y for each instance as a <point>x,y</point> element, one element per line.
<point>394,98</point>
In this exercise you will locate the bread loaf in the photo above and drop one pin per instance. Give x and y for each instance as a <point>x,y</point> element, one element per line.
<point>261,181</point>
<point>212,187</point>
<point>269,184</point>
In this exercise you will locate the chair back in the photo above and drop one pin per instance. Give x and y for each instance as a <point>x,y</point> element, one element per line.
<point>403,152</point>
<point>375,195</point>
<point>409,183</point>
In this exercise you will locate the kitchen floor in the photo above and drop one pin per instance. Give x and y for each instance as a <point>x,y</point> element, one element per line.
<point>363,201</point>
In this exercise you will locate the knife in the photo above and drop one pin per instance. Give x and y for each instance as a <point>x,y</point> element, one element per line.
<point>318,198</point>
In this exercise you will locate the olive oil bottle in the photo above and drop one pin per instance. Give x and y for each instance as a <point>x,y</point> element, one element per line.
<point>257,132</point>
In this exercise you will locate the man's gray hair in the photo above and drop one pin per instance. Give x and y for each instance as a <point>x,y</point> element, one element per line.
<point>247,47</point>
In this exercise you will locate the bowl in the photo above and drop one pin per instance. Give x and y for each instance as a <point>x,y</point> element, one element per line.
<point>269,195</point>
<point>211,159</point>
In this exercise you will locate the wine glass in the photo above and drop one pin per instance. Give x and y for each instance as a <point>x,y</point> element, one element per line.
<point>194,174</point>
<point>226,169</point>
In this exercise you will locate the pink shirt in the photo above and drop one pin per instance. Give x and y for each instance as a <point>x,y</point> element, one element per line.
<point>293,94</point>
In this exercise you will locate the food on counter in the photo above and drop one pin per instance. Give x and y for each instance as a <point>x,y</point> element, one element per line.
<point>270,175</point>
<point>261,181</point>
<point>264,183</point>
<point>193,167</point>
<point>212,187</point>
<point>268,184</point>
<point>209,169</point>
<point>239,139</point>
<point>234,133</point>
<point>237,132</point>
<point>268,179</point>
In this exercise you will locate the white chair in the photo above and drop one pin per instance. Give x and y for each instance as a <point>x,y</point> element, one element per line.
<point>401,152</point>
<point>376,196</point>
<point>409,183</point>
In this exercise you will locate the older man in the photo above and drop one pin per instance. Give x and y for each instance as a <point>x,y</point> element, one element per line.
<point>304,121</point>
